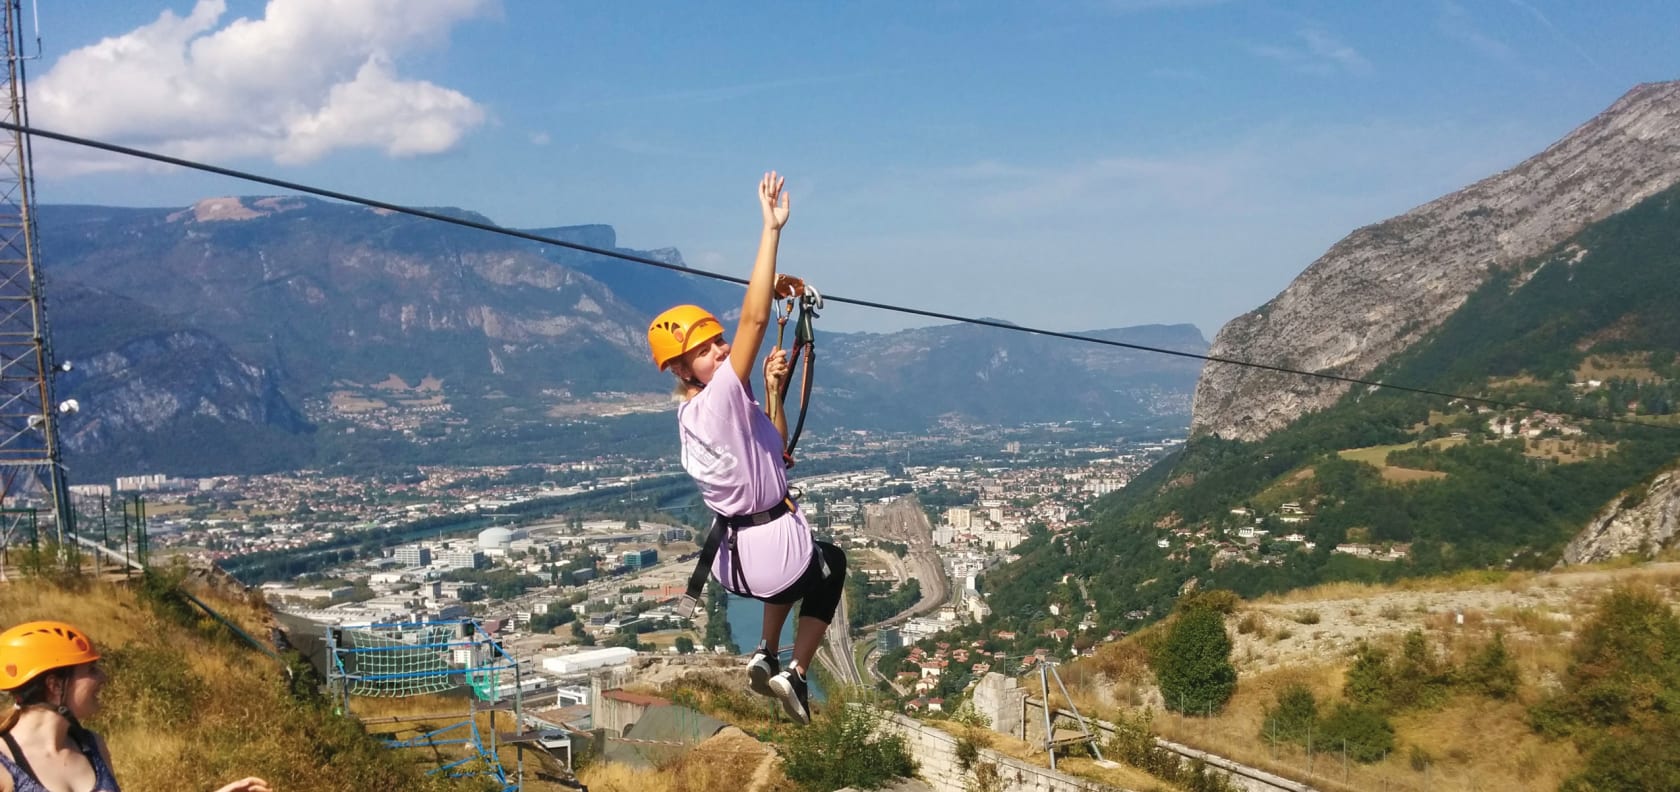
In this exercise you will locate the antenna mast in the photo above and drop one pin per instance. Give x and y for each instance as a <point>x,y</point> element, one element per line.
<point>29,453</point>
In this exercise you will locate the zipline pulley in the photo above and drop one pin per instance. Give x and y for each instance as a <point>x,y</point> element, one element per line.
<point>801,301</point>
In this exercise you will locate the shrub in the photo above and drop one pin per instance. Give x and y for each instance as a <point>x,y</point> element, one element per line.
<point>1294,716</point>
<point>1364,732</point>
<point>1306,616</point>
<point>1644,759</point>
<point>1492,672</point>
<point>1368,678</point>
<point>1417,678</point>
<point>843,747</point>
<point>1625,665</point>
<point>1420,759</point>
<point>1193,664</point>
<point>1249,624</point>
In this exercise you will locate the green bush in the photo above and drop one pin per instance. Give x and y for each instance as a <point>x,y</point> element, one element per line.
<point>1368,680</point>
<point>1364,732</point>
<point>1492,672</point>
<point>1294,717</point>
<point>1642,759</point>
<point>1193,664</point>
<point>1624,666</point>
<point>1417,679</point>
<point>843,746</point>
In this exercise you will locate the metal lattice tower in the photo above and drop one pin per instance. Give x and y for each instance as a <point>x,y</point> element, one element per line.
<point>29,453</point>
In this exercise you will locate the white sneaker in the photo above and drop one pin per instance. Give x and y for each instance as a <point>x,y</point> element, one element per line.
<point>760,669</point>
<point>794,694</point>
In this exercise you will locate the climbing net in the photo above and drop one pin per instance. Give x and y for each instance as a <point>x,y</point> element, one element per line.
<point>400,660</point>
<point>396,661</point>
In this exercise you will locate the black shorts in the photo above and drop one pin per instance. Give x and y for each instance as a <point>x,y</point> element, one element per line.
<point>818,595</point>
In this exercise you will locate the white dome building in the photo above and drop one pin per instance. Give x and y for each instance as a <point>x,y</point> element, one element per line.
<point>496,540</point>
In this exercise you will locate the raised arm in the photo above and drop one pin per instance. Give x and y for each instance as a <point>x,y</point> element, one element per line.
<point>755,307</point>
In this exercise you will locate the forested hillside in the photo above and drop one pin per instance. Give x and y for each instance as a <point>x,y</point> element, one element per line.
<point>1411,484</point>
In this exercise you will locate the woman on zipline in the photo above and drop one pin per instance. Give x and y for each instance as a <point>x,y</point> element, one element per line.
<point>733,450</point>
<point>52,672</point>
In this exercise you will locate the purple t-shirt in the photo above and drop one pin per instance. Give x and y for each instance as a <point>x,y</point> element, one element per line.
<point>733,451</point>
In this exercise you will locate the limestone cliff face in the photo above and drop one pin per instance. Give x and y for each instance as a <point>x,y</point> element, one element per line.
<point>1643,522</point>
<point>1385,286</point>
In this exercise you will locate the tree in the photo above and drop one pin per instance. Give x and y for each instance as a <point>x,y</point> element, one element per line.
<point>685,645</point>
<point>1493,672</point>
<point>1193,664</point>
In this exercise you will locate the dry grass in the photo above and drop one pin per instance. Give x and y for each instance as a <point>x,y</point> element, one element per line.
<point>190,707</point>
<point>1400,475</point>
<point>1566,451</point>
<point>731,760</point>
<point>1471,743</point>
<point>1632,366</point>
<point>1377,457</point>
<point>348,402</point>
<point>1474,743</point>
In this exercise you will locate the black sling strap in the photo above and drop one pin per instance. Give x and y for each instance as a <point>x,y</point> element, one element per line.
<point>722,526</point>
<point>19,759</point>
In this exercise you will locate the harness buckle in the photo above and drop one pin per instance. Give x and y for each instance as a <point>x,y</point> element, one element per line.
<point>685,607</point>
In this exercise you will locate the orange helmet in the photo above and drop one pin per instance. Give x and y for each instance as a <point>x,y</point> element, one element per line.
<point>680,329</point>
<point>31,649</point>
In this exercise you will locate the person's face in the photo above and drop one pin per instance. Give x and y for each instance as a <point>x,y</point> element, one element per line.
<point>701,363</point>
<point>81,690</point>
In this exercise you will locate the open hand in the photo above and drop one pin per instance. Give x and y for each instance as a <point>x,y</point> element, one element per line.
<point>773,200</point>
<point>252,784</point>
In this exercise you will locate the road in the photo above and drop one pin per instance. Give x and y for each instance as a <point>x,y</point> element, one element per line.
<point>905,522</point>
<point>902,521</point>
<point>838,653</point>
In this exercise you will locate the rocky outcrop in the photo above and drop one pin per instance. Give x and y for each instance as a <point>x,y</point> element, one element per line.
<point>1385,286</point>
<point>1642,522</point>
<point>155,382</point>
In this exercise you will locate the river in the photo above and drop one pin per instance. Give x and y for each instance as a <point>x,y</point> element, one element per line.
<point>746,623</point>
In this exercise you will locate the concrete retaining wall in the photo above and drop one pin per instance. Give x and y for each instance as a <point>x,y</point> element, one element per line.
<point>936,752</point>
<point>1012,711</point>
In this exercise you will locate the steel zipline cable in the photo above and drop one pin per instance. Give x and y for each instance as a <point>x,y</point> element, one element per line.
<point>114,148</point>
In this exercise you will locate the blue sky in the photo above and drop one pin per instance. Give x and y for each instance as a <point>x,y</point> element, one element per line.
<point>1070,165</point>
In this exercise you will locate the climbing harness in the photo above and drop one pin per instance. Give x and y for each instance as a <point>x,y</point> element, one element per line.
<point>796,294</point>
<point>725,527</point>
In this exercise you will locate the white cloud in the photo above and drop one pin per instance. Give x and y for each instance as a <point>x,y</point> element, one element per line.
<point>540,139</point>
<point>1317,52</point>
<point>308,78</point>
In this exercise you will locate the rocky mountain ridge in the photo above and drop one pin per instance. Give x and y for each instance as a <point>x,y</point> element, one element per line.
<point>1386,286</point>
